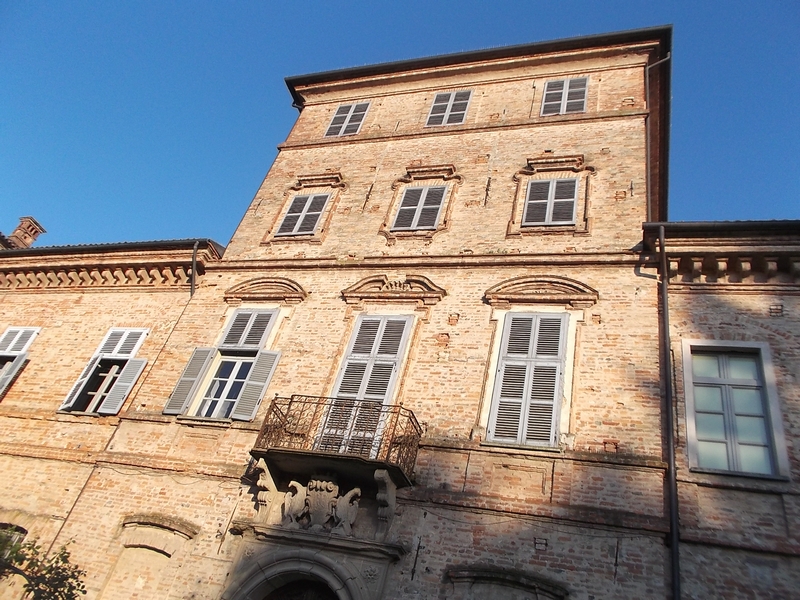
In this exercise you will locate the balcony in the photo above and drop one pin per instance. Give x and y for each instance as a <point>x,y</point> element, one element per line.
<point>309,435</point>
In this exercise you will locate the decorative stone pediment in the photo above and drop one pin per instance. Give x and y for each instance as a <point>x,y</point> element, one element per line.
<point>332,179</point>
<point>416,172</point>
<point>541,289</point>
<point>264,289</point>
<point>573,163</point>
<point>380,287</point>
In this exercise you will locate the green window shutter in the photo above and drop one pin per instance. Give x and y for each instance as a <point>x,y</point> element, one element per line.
<point>10,370</point>
<point>79,385</point>
<point>191,377</point>
<point>529,379</point>
<point>247,329</point>
<point>122,386</point>
<point>256,385</point>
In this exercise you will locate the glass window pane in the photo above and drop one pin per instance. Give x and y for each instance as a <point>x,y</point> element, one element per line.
<point>708,399</point>
<point>234,390</point>
<point>747,401</point>
<point>751,430</point>
<point>243,371</point>
<point>755,459</point>
<point>743,367</point>
<point>712,455</point>
<point>710,427</point>
<point>705,365</point>
<point>225,369</point>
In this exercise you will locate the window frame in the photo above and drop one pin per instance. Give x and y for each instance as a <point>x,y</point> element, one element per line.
<point>13,357</point>
<point>564,100</point>
<point>342,131</point>
<point>448,108</point>
<point>200,372</point>
<point>114,390</point>
<point>562,389</point>
<point>770,398</point>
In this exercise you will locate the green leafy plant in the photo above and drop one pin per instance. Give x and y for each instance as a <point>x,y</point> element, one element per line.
<point>51,577</point>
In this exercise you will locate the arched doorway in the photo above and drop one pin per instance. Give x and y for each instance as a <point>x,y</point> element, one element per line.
<point>302,589</point>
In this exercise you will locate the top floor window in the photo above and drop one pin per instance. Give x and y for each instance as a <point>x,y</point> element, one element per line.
<point>14,344</point>
<point>565,96</point>
<point>449,108</point>
<point>347,120</point>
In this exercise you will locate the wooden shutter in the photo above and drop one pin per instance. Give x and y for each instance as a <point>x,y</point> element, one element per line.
<point>248,328</point>
<point>536,203</point>
<point>79,385</point>
<point>553,93</point>
<point>356,118</point>
<point>458,108</point>
<point>121,342</point>
<point>191,377</point>
<point>122,386</point>
<point>293,215</point>
<point>10,370</point>
<point>312,214</point>
<point>576,95</point>
<point>438,109</point>
<point>428,216</point>
<point>550,202</point>
<point>564,195</point>
<point>347,119</point>
<point>528,381</point>
<point>255,386</point>
<point>365,383</point>
<point>338,120</point>
<point>408,208</point>
<point>17,339</point>
<point>449,108</point>
<point>303,215</point>
<point>420,208</point>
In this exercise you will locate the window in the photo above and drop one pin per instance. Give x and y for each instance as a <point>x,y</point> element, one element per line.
<point>110,374</point>
<point>529,381</point>
<point>229,381</point>
<point>10,536</point>
<point>550,202</point>
<point>13,353</point>
<point>365,382</point>
<point>420,208</point>
<point>564,96</point>
<point>303,215</point>
<point>733,417</point>
<point>347,120</point>
<point>449,108</point>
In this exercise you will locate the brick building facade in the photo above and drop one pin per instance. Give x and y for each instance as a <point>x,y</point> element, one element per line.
<point>429,364</point>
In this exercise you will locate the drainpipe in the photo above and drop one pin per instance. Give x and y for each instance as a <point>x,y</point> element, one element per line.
<point>672,478</point>
<point>647,129</point>
<point>194,268</point>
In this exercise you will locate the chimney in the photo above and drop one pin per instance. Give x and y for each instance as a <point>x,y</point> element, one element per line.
<point>23,236</point>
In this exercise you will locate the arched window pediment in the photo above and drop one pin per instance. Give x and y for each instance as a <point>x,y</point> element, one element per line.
<point>266,289</point>
<point>541,289</point>
<point>380,287</point>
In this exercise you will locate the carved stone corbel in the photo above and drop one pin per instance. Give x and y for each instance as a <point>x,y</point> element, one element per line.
<point>268,490</point>
<point>387,501</point>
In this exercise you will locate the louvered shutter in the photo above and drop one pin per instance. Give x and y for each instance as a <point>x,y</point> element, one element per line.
<point>338,120</point>
<point>121,342</point>
<point>365,384</point>
<point>536,203</point>
<point>10,370</point>
<point>191,377</point>
<point>78,386</point>
<point>255,386</point>
<point>122,386</point>
<point>439,109</point>
<point>576,95</point>
<point>293,215</point>
<point>247,329</point>
<point>17,339</point>
<point>408,209</point>
<point>458,108</point>
<point>564,196</point>
<point>529,380</point>
<point>312,214</point>
<point>431,207</point>
<point>553,93</point>
<point>356,118</point>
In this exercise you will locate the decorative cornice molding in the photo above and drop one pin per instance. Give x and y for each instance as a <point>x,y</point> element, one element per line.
<point>734,268</point>
<point>380,287</point>
<point>545,289</point>
<point>415,172</point>
<point>262,289</point>
<point>95,276</point>
<point>573,163</point>
<point>332,179</point>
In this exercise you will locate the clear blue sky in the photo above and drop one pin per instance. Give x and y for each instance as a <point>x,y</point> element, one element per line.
<point>140,120</point>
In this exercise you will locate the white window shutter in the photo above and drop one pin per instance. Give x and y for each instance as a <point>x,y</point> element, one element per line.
<point>576,95</point>
<point>339,118</point>
<point>10,370</point>
<point>122,386</point>
<point>312,214</point>
<point>247,329</point>
<point>431,207</point>
<point>191,377</point>
<point>356,118</point>
<point>292,215</point>
<point>536,203</point>
<point>564,196</point>
<point>553,94</point>
<point>79,385</point>
<point>303,215</point>
<point>256,385</point>
<point>121,343</point>
<point>17,339</point>
<point>438,109</point>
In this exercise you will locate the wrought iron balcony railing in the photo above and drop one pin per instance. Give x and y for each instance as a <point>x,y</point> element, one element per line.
<point>340,426</point>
